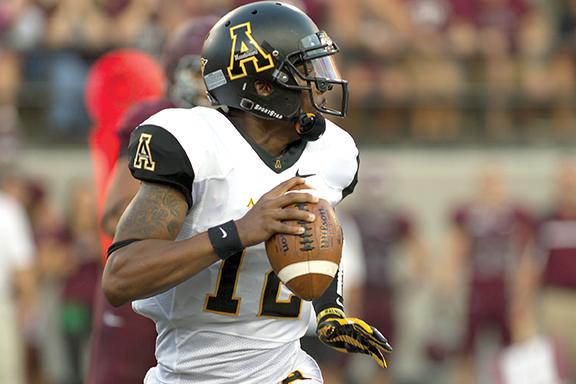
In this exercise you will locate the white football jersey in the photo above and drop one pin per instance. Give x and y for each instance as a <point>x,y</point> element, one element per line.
<point>225,323</point>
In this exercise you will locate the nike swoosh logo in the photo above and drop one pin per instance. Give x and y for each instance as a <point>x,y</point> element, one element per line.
<point>339,301</point>
<point>305,175</point>
<point>224,234</point>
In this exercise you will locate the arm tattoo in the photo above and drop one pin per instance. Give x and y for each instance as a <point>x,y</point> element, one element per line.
<point>156,212</point>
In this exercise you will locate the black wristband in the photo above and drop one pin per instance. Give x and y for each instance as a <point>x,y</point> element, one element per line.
<point>225,239</point>
<point>120,244</point>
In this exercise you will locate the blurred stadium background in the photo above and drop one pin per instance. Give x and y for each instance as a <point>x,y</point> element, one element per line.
<point>445,94</point>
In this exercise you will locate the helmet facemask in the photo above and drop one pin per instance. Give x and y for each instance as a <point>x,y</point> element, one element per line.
<point>314,70</point>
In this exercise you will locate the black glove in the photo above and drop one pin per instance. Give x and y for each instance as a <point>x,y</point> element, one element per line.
<point>348,334</point>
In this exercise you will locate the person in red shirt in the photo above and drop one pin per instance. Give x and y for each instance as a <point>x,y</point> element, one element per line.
<point>116,81</point>
<point>123,341</point>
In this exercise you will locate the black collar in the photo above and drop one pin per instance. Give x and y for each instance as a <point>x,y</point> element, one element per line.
<point>289,156</point>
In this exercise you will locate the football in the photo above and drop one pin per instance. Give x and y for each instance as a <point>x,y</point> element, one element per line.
<point>308,263</point>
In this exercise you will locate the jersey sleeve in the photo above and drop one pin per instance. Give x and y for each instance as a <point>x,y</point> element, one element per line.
<point>156,156</point>
<point>135,116</point>
<point>350,187</point>
<point>335,157</point>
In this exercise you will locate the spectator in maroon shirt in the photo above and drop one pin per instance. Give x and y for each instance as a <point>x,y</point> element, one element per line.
<point>494,24</point>
<point>395,261</point>
<point>502,15</point>
<point>490,236</point>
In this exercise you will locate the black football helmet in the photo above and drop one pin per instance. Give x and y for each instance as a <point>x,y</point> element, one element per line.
<point>276,43</point>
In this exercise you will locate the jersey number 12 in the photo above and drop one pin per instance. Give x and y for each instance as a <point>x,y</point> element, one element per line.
<point>224,302</point>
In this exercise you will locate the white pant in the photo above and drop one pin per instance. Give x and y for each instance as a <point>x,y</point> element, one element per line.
<point>307,367</point>
<point>303,366</point>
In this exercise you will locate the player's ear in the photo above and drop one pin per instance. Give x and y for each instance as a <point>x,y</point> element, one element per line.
<point>263,88</point>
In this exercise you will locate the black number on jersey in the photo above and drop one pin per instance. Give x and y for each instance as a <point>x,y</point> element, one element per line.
<point>224,302</point>
<point>271,306</point>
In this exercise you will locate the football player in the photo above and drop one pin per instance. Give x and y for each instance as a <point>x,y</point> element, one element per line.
<point>122,348</point>
<point>189,249</point>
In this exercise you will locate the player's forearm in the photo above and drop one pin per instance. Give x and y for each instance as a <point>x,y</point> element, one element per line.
<point>148,267</point>
<point>331,298</point>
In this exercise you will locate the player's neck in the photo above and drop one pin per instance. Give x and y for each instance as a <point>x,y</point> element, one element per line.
<point>271,135</point>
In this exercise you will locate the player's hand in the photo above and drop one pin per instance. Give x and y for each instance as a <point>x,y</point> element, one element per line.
<point>348,334</point>
<point>269,215</point>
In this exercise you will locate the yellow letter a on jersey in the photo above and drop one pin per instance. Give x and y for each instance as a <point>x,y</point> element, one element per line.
<point>143,157</point>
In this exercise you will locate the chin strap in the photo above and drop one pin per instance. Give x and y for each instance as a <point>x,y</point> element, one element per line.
<point>310,126</point>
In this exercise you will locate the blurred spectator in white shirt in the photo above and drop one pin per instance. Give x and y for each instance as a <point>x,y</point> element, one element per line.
<point>17,288</point>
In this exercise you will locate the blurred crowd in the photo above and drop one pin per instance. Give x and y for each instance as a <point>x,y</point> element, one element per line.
<point>422,71</point>
<point>51,269</point>
<point>493,305</point>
